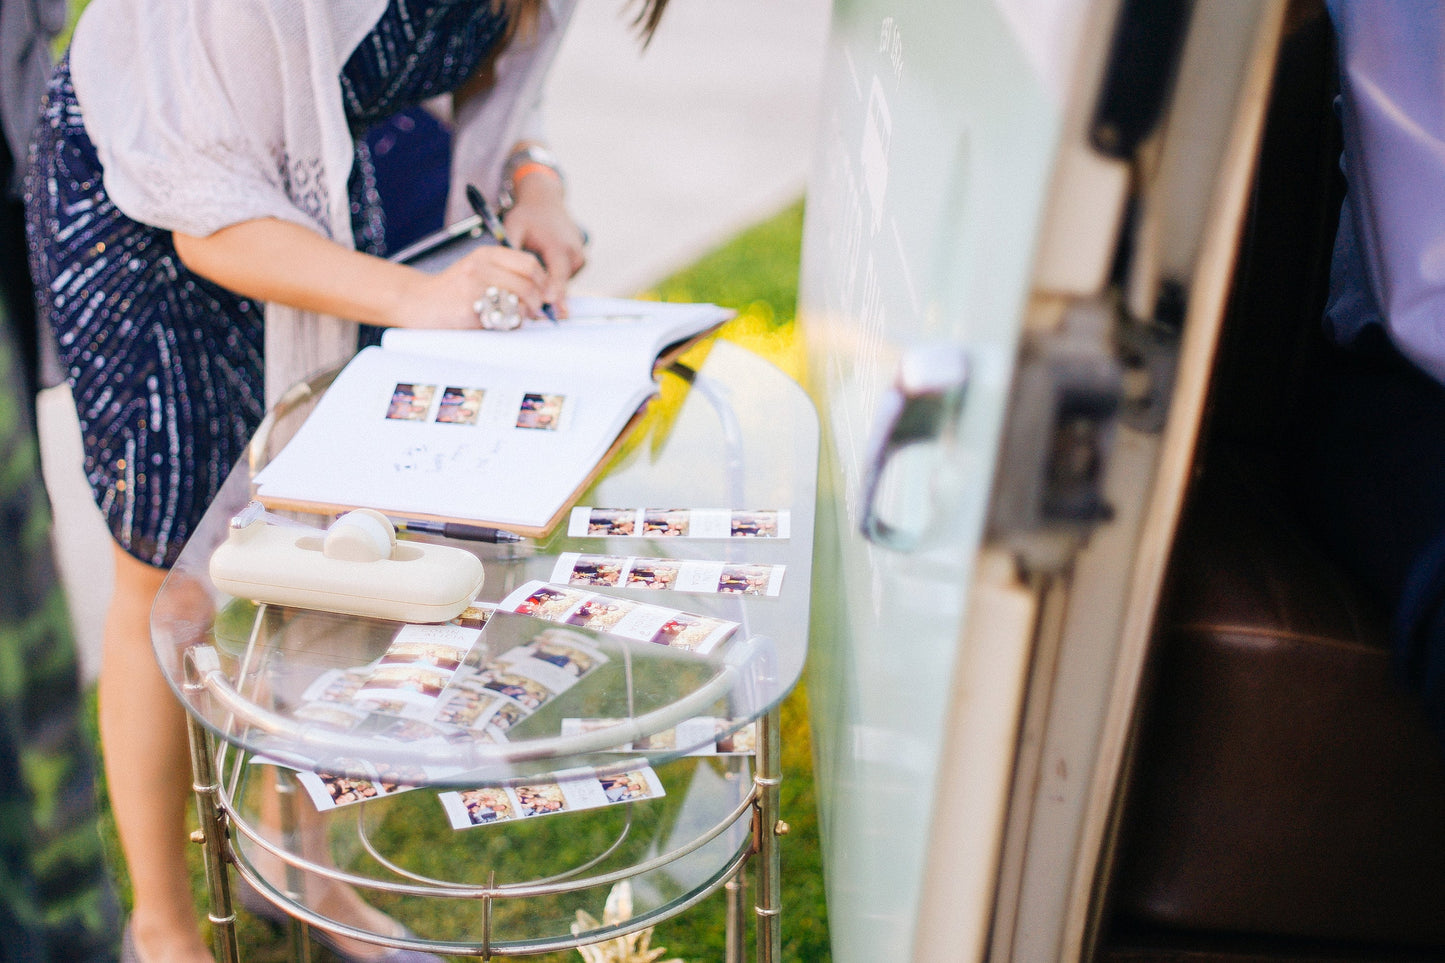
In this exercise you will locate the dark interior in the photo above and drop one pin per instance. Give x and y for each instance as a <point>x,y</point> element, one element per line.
<point>1286,798</point>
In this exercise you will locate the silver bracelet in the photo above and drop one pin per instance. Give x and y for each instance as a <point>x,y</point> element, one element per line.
<point>507,196</point>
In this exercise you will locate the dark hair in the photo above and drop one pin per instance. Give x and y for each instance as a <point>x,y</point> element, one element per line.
<point>649,14</point>
<point>523,16</point>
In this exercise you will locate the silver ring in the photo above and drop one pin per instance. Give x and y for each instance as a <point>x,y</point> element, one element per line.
<point>498,310</point>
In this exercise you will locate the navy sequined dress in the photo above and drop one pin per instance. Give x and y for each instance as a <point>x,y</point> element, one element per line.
<point>165,366</point>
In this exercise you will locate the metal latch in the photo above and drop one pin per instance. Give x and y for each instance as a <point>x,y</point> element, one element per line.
<point>1049,493</point>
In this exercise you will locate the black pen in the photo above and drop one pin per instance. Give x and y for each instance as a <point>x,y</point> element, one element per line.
<point>494,227</point>
<point>457,530</point>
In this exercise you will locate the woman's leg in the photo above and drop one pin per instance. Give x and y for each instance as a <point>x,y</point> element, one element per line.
<point>331,899</point>
<point>148,772</point>
<point>148,769</point>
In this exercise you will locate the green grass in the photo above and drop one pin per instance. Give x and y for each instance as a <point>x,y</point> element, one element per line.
<point>756,274</point>
<point>758,267</point>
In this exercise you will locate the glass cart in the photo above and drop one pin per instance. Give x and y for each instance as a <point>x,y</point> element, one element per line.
<point>682,744</point>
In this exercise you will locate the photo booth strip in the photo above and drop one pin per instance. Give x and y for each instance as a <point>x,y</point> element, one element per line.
<point>410,402</point>
<point>460,405</point>
<point>624,618</point>
<point>328,792</point>
<point>572,791</point>
<point>484,700</point>
<point>420,663</point>
<point>474,616</point>
<point>669,574</point>
<point>361,782</point>
<point>540,412</point>
<point>702,523</point>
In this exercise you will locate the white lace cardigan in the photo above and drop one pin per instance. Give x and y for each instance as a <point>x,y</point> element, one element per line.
<point>205,113</point>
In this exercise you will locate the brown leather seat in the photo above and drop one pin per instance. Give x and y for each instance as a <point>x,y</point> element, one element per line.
<point>1285,785</point>
<point>1285,791</point>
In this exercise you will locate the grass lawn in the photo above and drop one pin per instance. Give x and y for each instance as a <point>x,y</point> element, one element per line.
<point>756,274</point>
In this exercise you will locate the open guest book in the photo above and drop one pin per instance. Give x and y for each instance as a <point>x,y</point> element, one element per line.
<point>502,428</point>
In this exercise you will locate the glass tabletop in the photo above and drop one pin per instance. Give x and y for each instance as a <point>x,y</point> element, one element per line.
<point>539,676</point>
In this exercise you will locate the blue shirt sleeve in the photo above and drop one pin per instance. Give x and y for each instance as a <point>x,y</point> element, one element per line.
<point>1389,263</point>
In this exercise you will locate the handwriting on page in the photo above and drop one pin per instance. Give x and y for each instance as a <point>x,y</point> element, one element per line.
<point>433,459</point>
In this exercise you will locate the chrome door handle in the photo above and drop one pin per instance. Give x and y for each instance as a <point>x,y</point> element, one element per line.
<point>923,406</point>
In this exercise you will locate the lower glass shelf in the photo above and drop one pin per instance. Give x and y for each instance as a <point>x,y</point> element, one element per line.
<point>509,885</point>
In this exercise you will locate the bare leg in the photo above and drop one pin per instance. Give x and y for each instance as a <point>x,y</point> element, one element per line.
<point>147,767</point>
<point>332,899</point>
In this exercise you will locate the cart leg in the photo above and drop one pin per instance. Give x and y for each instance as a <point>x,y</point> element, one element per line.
<point>297,932</point>
<point>212,836</point>
<point>768,907</point>
<point>737,920</point>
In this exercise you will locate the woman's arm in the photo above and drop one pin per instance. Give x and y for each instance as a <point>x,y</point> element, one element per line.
<point>274,260</point>
<point>539,222</point>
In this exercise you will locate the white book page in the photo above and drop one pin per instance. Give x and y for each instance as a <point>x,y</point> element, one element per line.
<point>622,335</point>
<point>420,435</point>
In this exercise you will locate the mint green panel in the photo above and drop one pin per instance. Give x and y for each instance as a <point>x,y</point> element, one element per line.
<point>936,144</point>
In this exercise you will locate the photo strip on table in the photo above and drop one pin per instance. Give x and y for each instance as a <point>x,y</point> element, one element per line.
<point>710,523</point>
<point>571,791</point>
<point>426,689</point>
<point>624,618</point>
<point>696,576</point>
<point>420,662</point>
<point>329,791</point>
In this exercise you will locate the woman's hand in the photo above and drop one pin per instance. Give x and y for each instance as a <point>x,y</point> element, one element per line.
<point>539,223</point>
<point>449,299</point>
